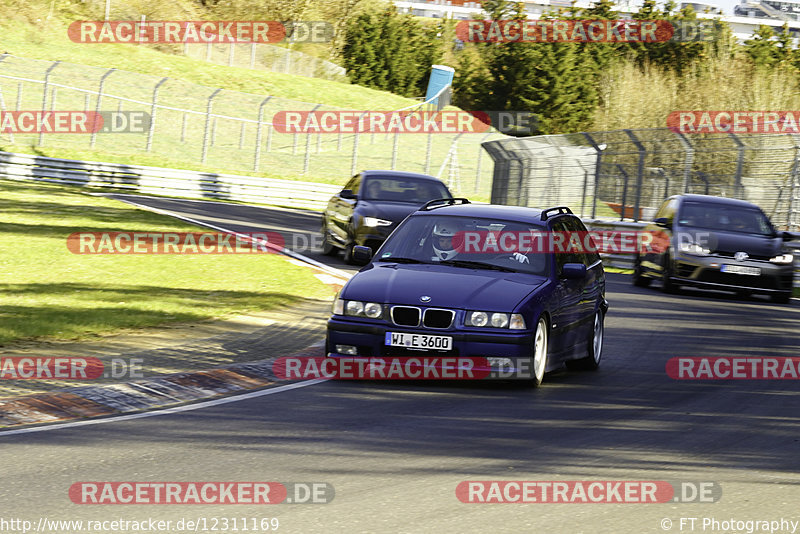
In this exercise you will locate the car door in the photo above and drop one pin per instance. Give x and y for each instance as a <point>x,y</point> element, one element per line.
<point>567,298</point>
<point>341,210</point>
<point>653,260</point>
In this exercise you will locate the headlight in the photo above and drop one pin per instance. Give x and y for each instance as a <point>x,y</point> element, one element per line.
<point>693,248</point>
<point>783,258</point>
<point>356,308</point>
<point>495,320</point>
<point>374,221</point>
<point>373,310</point>
<point>477,318</point>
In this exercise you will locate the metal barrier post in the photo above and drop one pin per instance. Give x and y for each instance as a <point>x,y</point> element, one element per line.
<point>108,73</point>
<point>597,168</point>
<point>208,124</point>
<point>739,164</point>
<point>44,96</point>
<point>624,191</point>
<point>258,132</point>
<point>639,173</point>
<point>153,114</point>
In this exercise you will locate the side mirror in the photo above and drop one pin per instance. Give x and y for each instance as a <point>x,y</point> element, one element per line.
<point>573,271</point>
<point>347,194</point>
<point>663,222</point>
<point>362,254</point>
<point>790,236</point>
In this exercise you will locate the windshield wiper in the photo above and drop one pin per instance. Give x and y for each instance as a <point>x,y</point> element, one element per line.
<point>398,259</point>
<point>477,265</point>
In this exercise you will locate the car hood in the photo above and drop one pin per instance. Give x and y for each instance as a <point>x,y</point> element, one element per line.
<point>730,242</point>
<point>447,287</point>
<point>391,211</point>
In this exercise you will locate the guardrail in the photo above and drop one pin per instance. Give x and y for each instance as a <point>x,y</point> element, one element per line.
<point>167,182</point>
<point>625,261</point>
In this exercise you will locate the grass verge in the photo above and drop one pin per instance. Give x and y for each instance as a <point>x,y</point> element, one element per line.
<point>48,292</point>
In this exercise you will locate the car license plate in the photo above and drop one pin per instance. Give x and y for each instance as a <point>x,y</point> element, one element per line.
<point>740,269</point>
<point>418,341</point>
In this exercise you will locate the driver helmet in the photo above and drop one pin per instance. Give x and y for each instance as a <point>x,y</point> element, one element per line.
<point>443,234</point>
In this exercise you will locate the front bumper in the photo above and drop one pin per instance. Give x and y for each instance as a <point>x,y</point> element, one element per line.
<point>705,272</point>
<point>369,338</point>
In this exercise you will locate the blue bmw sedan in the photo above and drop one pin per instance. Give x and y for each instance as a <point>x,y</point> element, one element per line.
<point>463,280</point>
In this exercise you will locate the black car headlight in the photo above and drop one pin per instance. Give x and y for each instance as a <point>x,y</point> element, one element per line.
<point>513,321</point>
<point>783,259</point>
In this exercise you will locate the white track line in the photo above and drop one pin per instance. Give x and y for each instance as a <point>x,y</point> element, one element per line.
<point>167,411</point>
<point>344,275</point>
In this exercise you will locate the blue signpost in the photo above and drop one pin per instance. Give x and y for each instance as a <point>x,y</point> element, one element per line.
<point>441,76</point>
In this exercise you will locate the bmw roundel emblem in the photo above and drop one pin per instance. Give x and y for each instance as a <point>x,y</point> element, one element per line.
<point>425,298</point>
<point>741,256</point>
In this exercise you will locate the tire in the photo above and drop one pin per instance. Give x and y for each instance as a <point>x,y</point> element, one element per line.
<point>667,285</point>
<point>594,347</point>
<point>638,279</point>
<point>328,248</point>
<point>782,298</point>
<point>539,356</point>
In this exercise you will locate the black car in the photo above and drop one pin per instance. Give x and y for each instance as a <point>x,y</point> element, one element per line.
<point>718,243</point>
<point>370,207</point>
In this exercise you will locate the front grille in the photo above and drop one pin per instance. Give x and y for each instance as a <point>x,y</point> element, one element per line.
<point>730,279</point>
<point>749,256</point>
<point>405,315</point>
<point>438,318</point>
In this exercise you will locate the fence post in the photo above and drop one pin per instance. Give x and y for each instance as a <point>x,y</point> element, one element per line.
<point>153,115</point>
<point>428,153</point>
<point>44,95</point>
<point>257,155</point>
<point>688,160</point>
<point>183,128</point>
<point>395,142</point>
<point>230,54</point>
<point>621,169</point>
<point>3,108</point>
<point>307,155</point>
<point>739,164</point>
<point>354,159</point>
<point>597,168</point>
<point>639,173</point>
<point>208,51</point>
<point>252,55</point>
<point>97,105</point>
<point>19,96</point>
<point>480,156</point>
<point>208,124</point>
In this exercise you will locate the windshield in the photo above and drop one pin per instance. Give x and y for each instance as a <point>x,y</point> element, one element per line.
<point>727,218</point>
<point>467,242</point>
<point>403,190</point>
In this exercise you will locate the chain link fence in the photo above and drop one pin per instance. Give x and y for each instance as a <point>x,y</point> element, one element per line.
<point>626,174</point>
<point>224,130</point>
<point>265,57</point>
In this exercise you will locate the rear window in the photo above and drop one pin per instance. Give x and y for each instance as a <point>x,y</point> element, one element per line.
<point>403,190</point>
